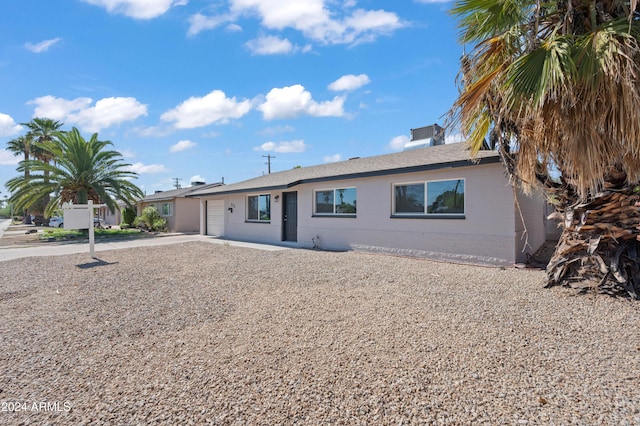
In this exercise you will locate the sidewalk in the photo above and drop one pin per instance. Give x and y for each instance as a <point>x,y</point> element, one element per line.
<point>63,249</point>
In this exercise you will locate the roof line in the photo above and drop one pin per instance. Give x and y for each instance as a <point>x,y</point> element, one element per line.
<point>411,169</point>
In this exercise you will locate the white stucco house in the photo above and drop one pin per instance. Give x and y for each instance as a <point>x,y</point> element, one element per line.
<point>432,202</point>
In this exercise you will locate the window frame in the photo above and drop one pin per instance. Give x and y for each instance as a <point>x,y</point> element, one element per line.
<point>248,204</point>
<point>161,209</point>
<point>335,197</point>
<point>425,214</point>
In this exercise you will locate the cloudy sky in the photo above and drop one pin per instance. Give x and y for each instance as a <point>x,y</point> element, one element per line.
<point>206,89</point>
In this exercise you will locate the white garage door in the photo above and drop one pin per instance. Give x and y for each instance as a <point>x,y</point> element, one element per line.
<point>215,217</point>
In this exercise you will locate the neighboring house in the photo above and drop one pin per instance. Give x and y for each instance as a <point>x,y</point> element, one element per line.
<point>431,202</point>
<point>181,213</point>
<point>110,218</point>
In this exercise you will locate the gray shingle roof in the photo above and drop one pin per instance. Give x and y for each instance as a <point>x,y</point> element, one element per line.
<point>431,158</point>
<point>181,192</point>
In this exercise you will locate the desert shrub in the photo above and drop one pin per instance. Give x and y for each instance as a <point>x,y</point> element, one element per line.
<point>151,220</point>
<point>128,215</point>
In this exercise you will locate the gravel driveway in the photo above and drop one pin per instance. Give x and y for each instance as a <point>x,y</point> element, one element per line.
<point>198,333</point>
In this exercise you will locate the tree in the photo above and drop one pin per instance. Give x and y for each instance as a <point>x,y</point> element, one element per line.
<point>555,84</point>
<point>42,131</point>
<point>83,170</point>
<point>22,146</point>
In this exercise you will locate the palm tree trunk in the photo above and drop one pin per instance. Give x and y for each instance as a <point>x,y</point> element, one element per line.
<point>26,219</point>
<point>599,247</point>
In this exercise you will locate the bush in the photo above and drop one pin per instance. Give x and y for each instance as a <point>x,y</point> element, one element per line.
<point>128,215</point>
<point>125,225</point>
<point>150,220</point>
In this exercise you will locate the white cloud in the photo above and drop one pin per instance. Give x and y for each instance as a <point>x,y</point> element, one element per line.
<point>8,127</point>
<point>433,1</point>
<point>137,9</point>
<point>141,168</point>
<point>106,112</point>
<point>349,82</point>
<point>200,22</point>
<point>197,178</point>
<point>269,45</point>
<point>8,159</point>
<point>323,21</point>
<point>43,46</point>
<point>332,158</point>
<point>182,146</point>
<point>199,112</point>
<point>127,153</point>
<point>398,143</point>
<point>293,101</point>
<point>57,108</point>
<point>282,147</point>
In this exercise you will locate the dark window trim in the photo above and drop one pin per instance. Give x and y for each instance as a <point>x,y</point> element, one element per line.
<point>339,215</point>
<point>428,216</point>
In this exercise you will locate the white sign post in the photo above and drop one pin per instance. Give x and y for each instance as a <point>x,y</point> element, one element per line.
<point>80,216</point>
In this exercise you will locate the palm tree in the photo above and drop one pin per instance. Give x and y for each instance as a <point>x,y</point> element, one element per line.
<point>554,84</point>
<point>42,130</point>
<point>22,146</point>
<point>84,170</point>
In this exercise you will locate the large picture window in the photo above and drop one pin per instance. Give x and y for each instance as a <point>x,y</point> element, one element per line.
<point>341,201</point>
<point>259,208</point>
<point>438,198</point>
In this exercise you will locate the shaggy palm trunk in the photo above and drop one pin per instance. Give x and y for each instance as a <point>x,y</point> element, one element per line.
<point>599,247</point>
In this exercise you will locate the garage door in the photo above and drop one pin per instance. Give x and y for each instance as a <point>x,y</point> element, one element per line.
<point>215,217</point>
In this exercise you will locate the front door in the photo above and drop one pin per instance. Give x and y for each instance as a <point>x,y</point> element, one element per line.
<point>290,216</point>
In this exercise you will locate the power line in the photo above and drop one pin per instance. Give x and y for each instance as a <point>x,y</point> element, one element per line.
<point>268,163</point>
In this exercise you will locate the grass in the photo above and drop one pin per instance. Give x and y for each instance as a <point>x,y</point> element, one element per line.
<point>62,234</point>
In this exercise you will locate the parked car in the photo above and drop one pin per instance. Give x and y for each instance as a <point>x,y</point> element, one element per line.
<point>58,222</point>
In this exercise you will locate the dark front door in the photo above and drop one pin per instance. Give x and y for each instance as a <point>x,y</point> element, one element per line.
<point>290,216</point>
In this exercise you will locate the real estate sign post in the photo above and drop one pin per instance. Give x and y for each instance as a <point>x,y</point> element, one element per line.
<point>80,216</point>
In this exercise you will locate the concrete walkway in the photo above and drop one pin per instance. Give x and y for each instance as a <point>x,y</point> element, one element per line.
<point>74,248</point>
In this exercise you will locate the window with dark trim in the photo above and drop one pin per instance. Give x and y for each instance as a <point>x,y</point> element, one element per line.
<point>332,202</point>
<point>259,208</point>
<point>432,198</point>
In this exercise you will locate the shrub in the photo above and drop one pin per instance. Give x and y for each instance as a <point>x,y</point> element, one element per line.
<point>128,215</point>
<point>151,220</point>
<point>124,225</point>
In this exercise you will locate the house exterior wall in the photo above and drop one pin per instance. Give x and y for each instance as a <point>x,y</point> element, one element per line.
<point>487,234</point>
<point>186,215</point>
<point>531,233</point>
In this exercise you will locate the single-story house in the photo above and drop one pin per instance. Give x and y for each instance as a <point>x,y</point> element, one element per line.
<point>181,213</point>
<point>433,202</point>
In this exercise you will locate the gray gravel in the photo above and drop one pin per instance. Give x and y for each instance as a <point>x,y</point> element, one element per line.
<point>198,333</point>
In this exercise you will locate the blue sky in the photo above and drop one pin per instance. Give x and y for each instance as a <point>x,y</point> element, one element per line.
<point>205,88</point>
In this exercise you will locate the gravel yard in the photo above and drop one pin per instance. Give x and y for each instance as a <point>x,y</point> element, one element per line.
<point>200,333</point>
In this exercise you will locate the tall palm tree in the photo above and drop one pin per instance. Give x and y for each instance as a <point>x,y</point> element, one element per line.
<point>22,146</point>
<point>84,170</point>
<point>42,130</point>
<point>555,84</point>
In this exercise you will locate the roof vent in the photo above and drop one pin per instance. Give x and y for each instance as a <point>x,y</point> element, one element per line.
<point>197,183</point>
<point>157,192</point>
<point>423,137</point>
<point>354,158</point>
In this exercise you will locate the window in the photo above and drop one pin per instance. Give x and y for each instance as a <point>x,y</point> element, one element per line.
<point>165,209</point>
<point>259,208</point>
<point>340,201</point>
<point>437,198</point>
